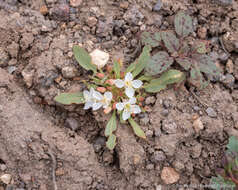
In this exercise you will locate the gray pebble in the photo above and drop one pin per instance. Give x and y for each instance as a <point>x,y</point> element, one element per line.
<point>150,167</point>
<point>149,133</point>
<point>158,156</point>
<point>150,100</point>
<point>158,5</point>
<point>99,143</point>
<point>196,108</point>
<point>165,113</point>
<point>11,69</point>
<point>210,112</point>
<point>72,124</point>
<point>229,81</point>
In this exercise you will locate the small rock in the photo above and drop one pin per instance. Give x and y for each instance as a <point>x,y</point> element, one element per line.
<point>150,100</point>
<point>99,58</point>
<point>3,167</point>
<point>150,167</point>
<point>224,2</point>
<point>11,69</point>
<point>92,21</point>
<point>6,178</point>
<point>60,12</point>
<point>13,49</point>
<point>149,133</point>
<point>196,108</point>
<point>178,165</point>
<point>196,150</point>
<point>158,156</point>
<point>228,80</point>
<point>211,113</point>
<point>145,120</point>
<point>133,16</point>
<point>12,62</point>
<point>75,3</point>
<point>3,57</point>
<point>72,124</point>
<point>69,72</point>
<point>166,104</point>
<point>28,75</point>
<point>229,66</point>
<point>26,40</point>
<point>44,10</point>
<point>223,56</point>
<point>169,175</point>
<point>165,113</point>
<point>202,32</point>
<point>198,125</point>
<point>107,157</point>
<point>124,5</point>
<point>158,5</point>
<point>169,126</point>
<point>59,172</point>
<point>99,144</point>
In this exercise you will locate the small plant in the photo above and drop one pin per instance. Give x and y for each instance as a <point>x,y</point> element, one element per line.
<point>188,53</point>
<point>118,92</point>
<point>227,176</point>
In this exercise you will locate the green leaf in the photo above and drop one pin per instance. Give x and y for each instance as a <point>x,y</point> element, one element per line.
<point>142,61</point>
<point>111,142</point>
<point>184,62</point>
<point>206,64</point>
<point>121,120</point>
<point>184,49</point>
<point>158,63</point>
<point>145,78</point>
<point>136,128</point>
<point>116,68</point>
<point>111,125</point>
<point>151,40</point>
<point>233,144</point>
<point>131,67</point>
<point>171,42</point>
<point>84,59</point>
<point>70,98</point>
<point>201,46</point>
<point>169,77</point>
<point>183,24</point>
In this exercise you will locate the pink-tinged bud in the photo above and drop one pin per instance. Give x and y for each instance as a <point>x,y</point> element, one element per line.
<point>141,99</point>
<point>140,104</point>
<point>110,81</point>
<point>120,62</point>
<point>133,115</point>
<point>114,106</point>
<point>122,74</point>
<point>100,75</point>
<point>109,69</point>
<point>101,89</point>
<point>120,93</point>
<point>107,110</point>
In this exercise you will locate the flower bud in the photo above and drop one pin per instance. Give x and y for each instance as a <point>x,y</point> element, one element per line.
<point>122,74</point>
<point>100,75</point>
<point>141,99</point>
<point>101,89</point>
<point>109,88</point>
<point>133,115</point>
<point>110,81</point>
<point>107,110</point>
<point>114,106</point>
<point>140,104</point>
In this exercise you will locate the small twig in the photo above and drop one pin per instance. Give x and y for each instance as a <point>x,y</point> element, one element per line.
<point>53,168</point>
<point>223,47</point>
<point>198,99</point>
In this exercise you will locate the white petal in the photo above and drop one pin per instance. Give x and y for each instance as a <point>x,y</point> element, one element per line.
<point>119,83</point>
<point>130,92</point>
<point>88,105</point>
<point>128,77</point>
<point>135,109</point>
<point>86,95</point>
<point>136,83</point>
<point>120,106</point>
<point>126,115</point>
<point>132,100</point>
<point>97,95</point>
<point>96,106</point>
<point>108,95</point>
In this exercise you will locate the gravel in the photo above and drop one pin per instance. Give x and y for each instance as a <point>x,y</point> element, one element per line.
<point>210,112</point>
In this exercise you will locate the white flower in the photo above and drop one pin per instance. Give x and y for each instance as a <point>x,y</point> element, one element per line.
<point>101,100</point>
<point>89,99</point>
<point>129,84</point>
<point>99,58</point>
<point>128,108</point>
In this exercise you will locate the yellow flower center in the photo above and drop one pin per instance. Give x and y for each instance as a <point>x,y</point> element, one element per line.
<point>128,107</point>
<point>128,83</point>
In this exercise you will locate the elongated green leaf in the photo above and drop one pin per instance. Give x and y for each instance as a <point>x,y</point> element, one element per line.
<point>169,77</point>
<point>184,49</point>
<point>131,67</point>
<point>219,183</point>
<point>233,144</point>
<point>111,142</point>
<point>171,42</point>
<point>184,62</point>
<point>183,24</point>
<point>116,68</point>
<point>145,78</point>
<point>158,63</point>
<point>70,98</point>
<point>136,128</point>
<point>84,59</point>
<point>111,125</point>
<point>152,40</point>
<point>142,61</point>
